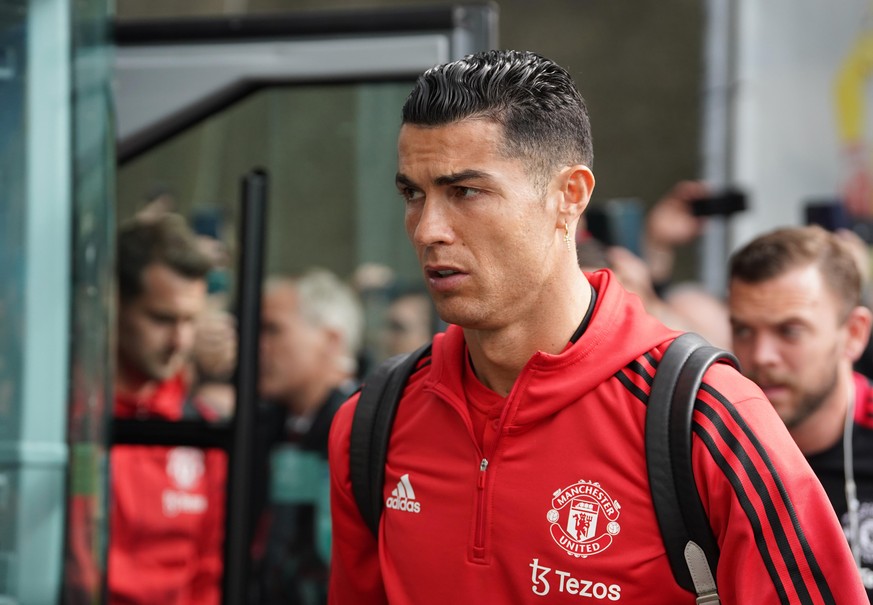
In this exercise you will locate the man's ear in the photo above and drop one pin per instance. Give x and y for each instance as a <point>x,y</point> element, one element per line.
<point>858,325</point>
<point>576,186</point>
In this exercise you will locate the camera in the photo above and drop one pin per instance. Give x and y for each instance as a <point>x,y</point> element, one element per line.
<point>829,214</point>
<point>728,202</point>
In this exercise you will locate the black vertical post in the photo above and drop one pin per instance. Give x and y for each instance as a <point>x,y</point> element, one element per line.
<point>250,274</point>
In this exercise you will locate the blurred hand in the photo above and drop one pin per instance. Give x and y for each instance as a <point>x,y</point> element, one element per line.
<point>215,345</point>
<point>632,272</point>
<point>671,223</point>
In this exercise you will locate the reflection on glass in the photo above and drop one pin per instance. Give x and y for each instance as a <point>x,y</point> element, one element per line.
<point>329,151</point>
<point>166,522</point>
<point>93,160</point>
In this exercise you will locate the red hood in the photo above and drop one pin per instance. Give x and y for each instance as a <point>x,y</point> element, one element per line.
<point>620,331</point>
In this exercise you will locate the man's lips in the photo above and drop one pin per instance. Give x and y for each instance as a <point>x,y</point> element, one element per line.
<point>771,390</point>
<point>443,278</point>
<point>441,272</point>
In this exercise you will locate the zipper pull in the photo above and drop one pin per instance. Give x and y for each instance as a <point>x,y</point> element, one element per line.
<point>483,466</point>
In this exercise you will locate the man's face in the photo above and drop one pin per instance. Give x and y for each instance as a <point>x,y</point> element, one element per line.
<point>481,228</point>
<point>292,349</point>
<point>156,329</point>
<point>789,335</point>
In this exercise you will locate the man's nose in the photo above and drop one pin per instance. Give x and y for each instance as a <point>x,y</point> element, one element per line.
<point>433,224</point>
<point>765,350</point>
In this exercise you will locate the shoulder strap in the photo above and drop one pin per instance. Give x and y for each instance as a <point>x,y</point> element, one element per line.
<point>691,547</point>
<point>371,431</point>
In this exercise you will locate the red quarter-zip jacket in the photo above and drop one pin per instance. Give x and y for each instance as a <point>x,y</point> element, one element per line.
<point>555,506</point>
<point>166,517</point>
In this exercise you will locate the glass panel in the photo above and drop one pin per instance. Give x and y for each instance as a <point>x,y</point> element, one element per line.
<point>331,161</point>
<point>92,305</point>
<point>13,196</point>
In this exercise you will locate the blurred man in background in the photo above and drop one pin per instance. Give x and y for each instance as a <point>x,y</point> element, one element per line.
<point>798,326</point>
<point>167,503</point>
<point>311,330</point>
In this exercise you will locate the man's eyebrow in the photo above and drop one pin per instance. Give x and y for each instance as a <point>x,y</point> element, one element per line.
<point>401,180</point>
<point>457,177</point>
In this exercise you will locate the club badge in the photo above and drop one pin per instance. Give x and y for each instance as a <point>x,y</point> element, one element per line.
<point>583,518</point>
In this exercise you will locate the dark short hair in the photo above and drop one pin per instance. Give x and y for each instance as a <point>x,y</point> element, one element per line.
<point>535,100</point>
<point>165,240</point>
<point>770,255</point>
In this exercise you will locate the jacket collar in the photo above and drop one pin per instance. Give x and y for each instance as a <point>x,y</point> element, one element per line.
<point>620,331</point>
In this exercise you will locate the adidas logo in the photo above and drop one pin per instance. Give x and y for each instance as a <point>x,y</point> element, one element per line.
<point>403,497</point>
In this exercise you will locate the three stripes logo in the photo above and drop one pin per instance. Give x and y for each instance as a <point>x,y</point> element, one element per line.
<point>403,497</point>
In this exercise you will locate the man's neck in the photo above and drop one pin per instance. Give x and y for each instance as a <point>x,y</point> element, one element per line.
<point>824,428</point>
<point>499,356</point>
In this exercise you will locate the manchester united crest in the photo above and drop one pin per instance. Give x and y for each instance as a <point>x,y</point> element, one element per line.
<point>185,466</point>
<point>583,518</point>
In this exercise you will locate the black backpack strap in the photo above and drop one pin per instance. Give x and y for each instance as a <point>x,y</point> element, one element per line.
<point>371,431</point>
<point>691,546</point>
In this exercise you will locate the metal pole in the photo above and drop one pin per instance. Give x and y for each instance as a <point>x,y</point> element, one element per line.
<point>717,131</point>
<point>237,530</point>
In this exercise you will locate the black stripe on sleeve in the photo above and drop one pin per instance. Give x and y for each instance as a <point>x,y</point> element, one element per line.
<point>633,388</point>
<point>754,521</point>
<point>778,529</point>
<point>814,567</point>
<point>754,478</point>
<point>640,370</point>
<point>636,367</point>
<point>651,359</point>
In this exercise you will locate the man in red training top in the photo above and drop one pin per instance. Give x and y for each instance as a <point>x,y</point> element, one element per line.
<point>516,470</point>
<point>166,503</point>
